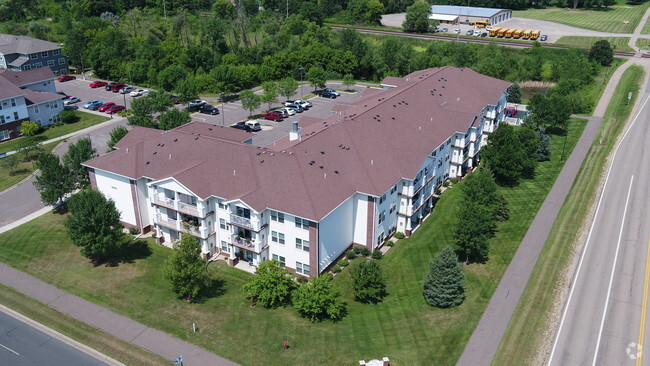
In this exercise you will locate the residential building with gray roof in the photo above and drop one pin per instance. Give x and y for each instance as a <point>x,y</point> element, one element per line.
<point>25,53</point>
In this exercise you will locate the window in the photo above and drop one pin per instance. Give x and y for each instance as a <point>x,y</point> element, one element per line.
<point>33,56</point>
<point>44,54</point>
<point>382,216</point>
<point>4,134</point>
<point>277,237</point>
<point>222,206</point>
<point>15,115</point>
<point>13,102</point>
<point>50,63</point>
<point>38,64</point>
<point>302,244</point>
<point>277,216</point>
<point>222,224</point>
<point>55,105</point>
<point>392,190</point>
<point>224,246</point>
<point>302,268</point>
<point>56,52</point>
<point>20,130</point>
<point>302,223</point>
<point>280,259</point>
<point>27,67</point>
<point>62,61</point>
<point>392,208</point>
<point>2,119</point>
<point>382,199</point>
<point>380,239</point>
<point>36,110</point>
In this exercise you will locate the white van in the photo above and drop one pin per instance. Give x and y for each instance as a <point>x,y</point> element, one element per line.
<point>254,125</point>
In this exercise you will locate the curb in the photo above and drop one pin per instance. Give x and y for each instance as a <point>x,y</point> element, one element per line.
<point>58,336</point>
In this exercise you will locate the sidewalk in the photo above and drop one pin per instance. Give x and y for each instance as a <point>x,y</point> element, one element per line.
<point>119,326</point>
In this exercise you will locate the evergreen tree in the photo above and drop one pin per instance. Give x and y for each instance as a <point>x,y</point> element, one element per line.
<point>444,283</point>
<point>318,299</point>
<point>369,282</point>
<point>185,270</point>
<point>94,224</point>
<point>271,286</point>
<point>514,93</point>
<point>544,151</point>
<point>55,181</point>
<point>78,153</point>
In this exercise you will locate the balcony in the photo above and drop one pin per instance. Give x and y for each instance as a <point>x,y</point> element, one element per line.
<point>194,210</point>
<point>250,224</point>
<point>166,222</point>
<point>198,231</point>
<point>189,209</point>
<point>250,245</point>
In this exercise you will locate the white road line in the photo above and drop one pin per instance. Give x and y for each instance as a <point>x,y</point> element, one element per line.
<point>584,251</point>
<point>9,349</point>
<point>611,276</point>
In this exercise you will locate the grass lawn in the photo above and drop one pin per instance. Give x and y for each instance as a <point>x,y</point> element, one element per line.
<point>610,20</point>
<point>86,120</point>
<point>643,43</point>
<point>21,171</point>
<point>529,323</point>
<point>620,44</point>
<point>80,332</point>
<point>403,327</point>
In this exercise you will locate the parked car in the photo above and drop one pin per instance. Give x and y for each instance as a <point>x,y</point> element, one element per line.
<point>327,94</point>
<point>273,116</point>
<point>196,103</point>
<point>175,99</point>
<point>104,107</point>
<point>115,109</point>
<point>72,100</point>
<point>146,93</point>
<point>253,125</point>
<point>136,93</point>
<point>241,126</point>
<point>445,29</point>
<point>289,111</point>
<point>477,33</point>
<point>65,78</point>
<point>296,108</point>
<point>302,103</point>
<point>332,91</point>
<point>208,109</point>
<point>93,104</point>
<point>282,112</point>
<point>127,89</point>
<point>457,31</point>
<point>114,87</point>
<point>544,37</point>
<point>70,107</point>
<point>470,32</point>
<point>98,84</point>
<point>484,34</point>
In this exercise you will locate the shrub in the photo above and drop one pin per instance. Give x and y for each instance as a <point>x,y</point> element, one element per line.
<point>301,279</point>
<point>134,230</point>
<point>336,269</point>
<point>351,255</point>
<point>390,243</point>
<point>377,254</point>
<point>365,252</point>
<point>454,180</point>
<point>357,250</point>
<point>68,116</point>
<point>444,283</point>
<point>343,262</point>
<point>30,128</point>
<point>437,191</point>
<point>400,235</point>
<point>58,124</point>
<point>445,183</point>
<point>318,299</point>
<point>271,286</point>
<point>369,282</point>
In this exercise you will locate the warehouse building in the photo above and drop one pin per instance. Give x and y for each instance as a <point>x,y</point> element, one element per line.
<point>450,14</point>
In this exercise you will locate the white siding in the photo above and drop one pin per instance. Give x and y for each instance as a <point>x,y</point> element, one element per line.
<point>143,202</point>
<point>335,231</point>
<point>360,219</point>
<point>118,189</point>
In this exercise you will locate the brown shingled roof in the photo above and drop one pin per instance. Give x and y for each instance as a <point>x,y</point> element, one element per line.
<point>34,97</point>
<point>21,78</point>
<point>383,138</point>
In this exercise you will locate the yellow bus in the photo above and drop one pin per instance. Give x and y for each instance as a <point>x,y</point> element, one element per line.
<point>494,31</point>
<point>526,34</point>
<point>502,32</point>
<point>517,33</point>
<point>509,33</point>
<point>481,24</point>
<point>534,34</point>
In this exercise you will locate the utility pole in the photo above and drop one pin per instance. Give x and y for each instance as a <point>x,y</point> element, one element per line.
<point>287,8</point>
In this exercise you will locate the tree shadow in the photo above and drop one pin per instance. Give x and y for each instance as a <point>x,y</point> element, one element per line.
<point>216,287</point>
<point>129,252</point>
<point>556,131</point>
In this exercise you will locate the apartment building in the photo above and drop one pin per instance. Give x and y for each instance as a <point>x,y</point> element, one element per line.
<point>23,53</point>
<point>27,95</point>
<point>354,178</point>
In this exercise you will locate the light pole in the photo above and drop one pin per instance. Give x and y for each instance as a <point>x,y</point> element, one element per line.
<point>301,71</point>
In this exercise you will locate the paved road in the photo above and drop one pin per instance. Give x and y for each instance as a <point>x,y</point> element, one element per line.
<point>20,344</point>
<point>606,308</point>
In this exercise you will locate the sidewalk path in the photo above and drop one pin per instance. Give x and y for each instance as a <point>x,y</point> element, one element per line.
<point>121,327</point>
<point>637,33</point>
<point>485,339</point>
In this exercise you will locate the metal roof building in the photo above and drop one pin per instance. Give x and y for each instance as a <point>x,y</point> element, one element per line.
<point>469,14</point>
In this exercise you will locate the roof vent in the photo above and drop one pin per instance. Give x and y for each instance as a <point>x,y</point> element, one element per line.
<point>259,152</point>
<point>322,152</point>
<point>155,152</point>
<point>147,163</point>
<point>170,156</point>
<point>210,128</point>
<point>175,140</point>
<point>372,162</point>
<point>458,99</point>
<point>261,161</point>
<point>271,154</point>
<point>336,171</point>
<point>325,175</point>
<point>234,172</point>
<point>290,153</point>
<point>347,148</point>
<point>196,138</point>
<point>320,166</point>
<point>127,150</point>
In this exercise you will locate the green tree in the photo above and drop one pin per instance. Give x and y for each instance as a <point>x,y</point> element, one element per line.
<point>316,77</point>
<point>116,135</point>
<point>94,225</point>
<point>602,53</point>
<point>30,148</point>
<point>170,77</point>
<point>514,93</point>
<point>369,282</point>
<point>185,270</point>
<point>529,142</point>
<point>187,90</point>
<point>318,299</point>
<point>479,187</point>
<point>271,286</point>
<point>287,87</point>
<point>10,162</point>
<point>504,155</point>
<point>68,116</point>
<point>54,182</point>
<point>249,100</point>
<point>417,17</point>
<point>79,152</point>
<point>173,118</point>
<point>30,128</point>
<point>473,231</point>
<point>444,283</point>
<point>348,81</point>
<point>223,9</point>
<point>270,94</point>
<point>544,151</point>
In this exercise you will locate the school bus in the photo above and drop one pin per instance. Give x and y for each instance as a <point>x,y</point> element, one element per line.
<point>517,33</point>
<point>509,33</point>
<point>526,34</point>
<point>534,34</point>
<point>481,23</point>
<point>494,31</point>
<point>502,32</point>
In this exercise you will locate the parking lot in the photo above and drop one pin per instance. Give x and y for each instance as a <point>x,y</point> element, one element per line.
<point>230,113</point>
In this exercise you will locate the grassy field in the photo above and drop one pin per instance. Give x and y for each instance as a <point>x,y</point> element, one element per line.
<point>529,323</point>
<point>21,171</point>
<point>643,43</point>
<point>403,327</point>
<point>610,20</point>
<point>86,120</point>
<point>620,44</point>
<point>80,332</point>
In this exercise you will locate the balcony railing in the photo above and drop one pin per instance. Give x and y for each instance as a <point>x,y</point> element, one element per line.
<point>252,245</point>
<point>160,220</point>
<point>241,221</point>
<point>163,201</point>
<point>189,209</point>
<point>180,206</point>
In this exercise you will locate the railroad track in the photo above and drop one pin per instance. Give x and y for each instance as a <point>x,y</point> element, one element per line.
<point>470,40</point>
